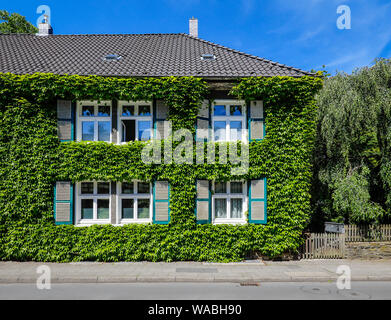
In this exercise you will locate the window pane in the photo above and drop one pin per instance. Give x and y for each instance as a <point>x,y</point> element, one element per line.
<point>128,111</point>
<point>103,208</point>
<point>87,111</point>
<point>104,111</point>
<point>87,129</point>
<point>221,208</point>
<point>144,110</point>
<point>236,130</point>
<point>144,130</point>
<point>143,208</point>
<point>104,131</point>
<point>87,209</point>
<point>128,130</point>
<point>127,208</point>
<point>220,187</point>
<point>219,130</point>
<point>236,208</point>
<point>143,187</point>
<point>103,187</point>
<point>236,187</point>
<point>87,188</point>
<point>219,110</point>
<point>127,187</point>
<point>235,110</point>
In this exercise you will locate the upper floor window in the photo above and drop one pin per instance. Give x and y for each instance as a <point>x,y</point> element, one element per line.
<point>229,201</point>
<point>228,120</point>
<point>135,120</point>
<point>94,121</point>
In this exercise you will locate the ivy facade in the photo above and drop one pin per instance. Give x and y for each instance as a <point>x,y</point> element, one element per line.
<point>74,186</point>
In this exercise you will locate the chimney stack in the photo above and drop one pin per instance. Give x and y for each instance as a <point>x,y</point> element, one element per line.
<point>44,27</point>
<point>193,27</point>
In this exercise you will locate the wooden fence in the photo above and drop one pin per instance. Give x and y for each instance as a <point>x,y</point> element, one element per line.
<point>324,246</point>
<point>355,233</point>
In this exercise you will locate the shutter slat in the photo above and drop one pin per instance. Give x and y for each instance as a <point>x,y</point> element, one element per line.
<point>258,201</point>
<point>256,121</point>
<point>161,202</point>
<point>63,203</point>
<point>203,202</point>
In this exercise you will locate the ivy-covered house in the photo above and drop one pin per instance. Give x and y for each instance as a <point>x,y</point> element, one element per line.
<point>77,111</point>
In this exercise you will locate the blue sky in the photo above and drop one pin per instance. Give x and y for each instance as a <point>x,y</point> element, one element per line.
<point>300,33</point>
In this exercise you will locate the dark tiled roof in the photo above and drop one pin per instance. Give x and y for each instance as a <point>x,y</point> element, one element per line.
<point>142,55</point>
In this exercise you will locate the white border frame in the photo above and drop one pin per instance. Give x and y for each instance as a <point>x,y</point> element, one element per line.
<point>95,196</point>
<point>94,118</point>
<point>136,117</point>
<point>135,196</point>
<point>228,118</point>
<point>228,195</point>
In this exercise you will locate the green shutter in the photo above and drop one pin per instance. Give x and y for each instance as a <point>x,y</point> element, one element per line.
<point>257,194</point>
<point>161,202</point>
<point>203,122</point>
<point>203,202</point>
<point>65,120</point>
<point>256,121</point>
<point>160,116</point>
<point>63,203</point>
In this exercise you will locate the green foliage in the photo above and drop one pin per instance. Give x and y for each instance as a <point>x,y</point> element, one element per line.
<point>34,160</point>
<point>352,153</point>
<point>15,23</point>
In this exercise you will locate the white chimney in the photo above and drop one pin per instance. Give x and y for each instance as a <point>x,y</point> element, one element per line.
<point>193,27</point>
<point>44,27</point>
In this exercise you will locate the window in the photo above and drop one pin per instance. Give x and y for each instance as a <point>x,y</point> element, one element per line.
<point>134,202</point>
<point>228,120</point>
<point>94,121</point>
<point>93,202</point>
<point>135,120</point>
<point>229,202</point>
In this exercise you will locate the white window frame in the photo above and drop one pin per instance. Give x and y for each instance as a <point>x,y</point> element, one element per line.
<point>228,195</point>
<point>228,119</point>
<point>95,118</point>
<point>136,117</point>
<point>135,196</point>
<point>95,197</point>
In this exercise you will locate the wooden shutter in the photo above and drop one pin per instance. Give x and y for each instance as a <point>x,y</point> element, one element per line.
<point>161,202</point>
<point>203,202</point>
<point>203,122</point>
<point>257,194</point>
<point>256,121</point>
<point>65,120</point>
<point>160,116</point>
<point>63,203</point>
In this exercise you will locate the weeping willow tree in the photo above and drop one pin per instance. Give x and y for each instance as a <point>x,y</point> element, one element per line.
<point>352,159</point>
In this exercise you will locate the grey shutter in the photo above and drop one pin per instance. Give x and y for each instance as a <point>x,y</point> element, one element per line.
<point>63,202</point>
<point>161,202</point>
<point>160,117</point>
<point>203,121</point>
<point>203,203</point>
<point>256,121</point>
<point>65,120</point>
<point>258,201</point>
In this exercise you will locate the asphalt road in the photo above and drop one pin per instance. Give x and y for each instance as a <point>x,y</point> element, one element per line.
<point>199,291</point>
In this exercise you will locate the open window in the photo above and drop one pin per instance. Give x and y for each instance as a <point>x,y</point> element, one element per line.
<point>135,120</point>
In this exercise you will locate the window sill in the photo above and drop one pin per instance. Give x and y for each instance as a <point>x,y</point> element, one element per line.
<point>230,221</point>
<point>88,223</point>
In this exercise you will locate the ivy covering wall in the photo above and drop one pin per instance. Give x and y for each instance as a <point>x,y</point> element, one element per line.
<point>33,159</point>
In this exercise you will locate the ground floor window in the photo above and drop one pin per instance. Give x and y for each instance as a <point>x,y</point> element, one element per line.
<point>93,202</point>
<point>229,201</point>
<point>134,202</point>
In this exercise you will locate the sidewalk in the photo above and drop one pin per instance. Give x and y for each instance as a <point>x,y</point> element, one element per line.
<point>242,272</point>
